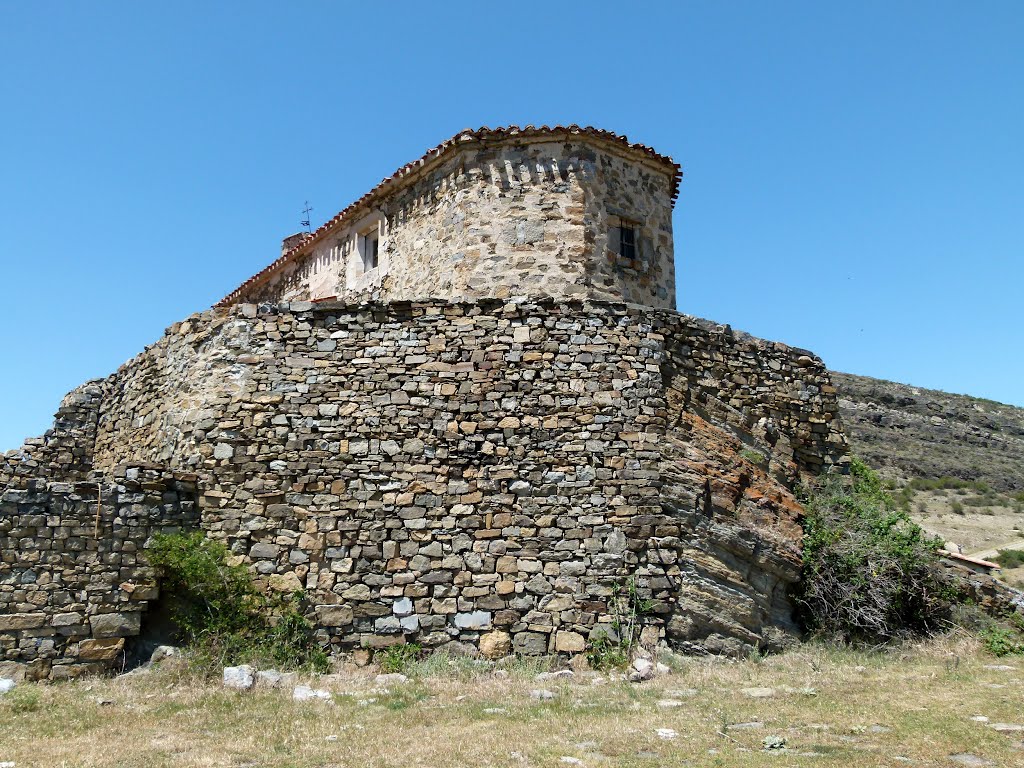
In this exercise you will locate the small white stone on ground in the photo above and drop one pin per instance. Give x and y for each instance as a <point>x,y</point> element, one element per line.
<point>162,652</point>
<point>758,693</point>
<point>980,719</point>
<point>680,693</point>
<point>669,703</point>
<point>973,761</point>
<point>241,678</point>
<point>1007,727</point>
<point>271,678</point>
<point>641,670</point>
<point>570,760</point>
<point>6,684</point>
<point>540,694</point>
<point>305,693</point>
<point>666,733</point>
<point>395,678</point>
<point>773,742</point>
<point>562,674</point>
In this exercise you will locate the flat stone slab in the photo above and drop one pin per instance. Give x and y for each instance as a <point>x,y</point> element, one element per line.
<point>305,693</point>
<point>1007,727</point>
<point>680,693</point>
<point>966,758</point>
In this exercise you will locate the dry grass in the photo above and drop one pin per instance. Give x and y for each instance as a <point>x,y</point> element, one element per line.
<point>833,708</point>
<point>978,530</point>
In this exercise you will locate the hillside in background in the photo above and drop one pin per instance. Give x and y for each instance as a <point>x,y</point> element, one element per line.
<point>954,462</point>
<point>924,433</point>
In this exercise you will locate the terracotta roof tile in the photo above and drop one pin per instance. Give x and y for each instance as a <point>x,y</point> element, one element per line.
<point>464,136</point>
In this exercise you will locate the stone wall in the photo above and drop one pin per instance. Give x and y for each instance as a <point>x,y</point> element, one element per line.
<point>493,219</point>
<point>486,474</point>
<point>65,451</point>
<point>73,583</point>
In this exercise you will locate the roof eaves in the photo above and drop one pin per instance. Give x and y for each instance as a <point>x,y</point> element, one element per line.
<point>465,136</point>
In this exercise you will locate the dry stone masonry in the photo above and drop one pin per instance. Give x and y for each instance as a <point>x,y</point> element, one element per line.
<point>493,214</point>
<point>479,475</point>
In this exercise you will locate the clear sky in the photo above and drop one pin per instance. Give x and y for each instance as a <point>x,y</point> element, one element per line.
<point>854,171</point>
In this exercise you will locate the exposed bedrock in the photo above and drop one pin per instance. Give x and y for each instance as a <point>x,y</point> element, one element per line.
<point>462,475</point>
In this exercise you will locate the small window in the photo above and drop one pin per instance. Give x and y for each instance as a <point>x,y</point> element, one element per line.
<point>627,241</point>
<point>370,243</point>
<point>623,238</point>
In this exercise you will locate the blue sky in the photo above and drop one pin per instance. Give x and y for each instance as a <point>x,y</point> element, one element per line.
<point>854,171</point>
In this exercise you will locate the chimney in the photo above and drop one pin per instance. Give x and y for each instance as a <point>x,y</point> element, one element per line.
<point>292,240</point>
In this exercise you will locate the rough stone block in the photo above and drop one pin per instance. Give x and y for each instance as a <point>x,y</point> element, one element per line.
<point>16,621</point>
<point>334,615</point>
<point>570,642</point>
<point>105,625</point>
<point>240,678</point>
<point>495,645</point>
<point>107,649</point>
<point>473,620</point>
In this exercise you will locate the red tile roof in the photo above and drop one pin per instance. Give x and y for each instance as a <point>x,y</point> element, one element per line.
<point>974,560</point>
<point>464,136</point>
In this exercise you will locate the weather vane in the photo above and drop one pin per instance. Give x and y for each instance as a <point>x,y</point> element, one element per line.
<point>306,211</point>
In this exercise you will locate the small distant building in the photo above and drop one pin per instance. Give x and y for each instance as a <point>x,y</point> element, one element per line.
<point>986,567</point>
<point>564,212</point>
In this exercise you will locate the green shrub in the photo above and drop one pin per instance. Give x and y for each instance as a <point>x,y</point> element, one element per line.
<point>441,664</point>
<point>398,658</point>
<point>1010,558</point>
<point>220,615</point>
<point>984,500</point>
<point>946,483</point>
<point>957,508</point>
<point>869,573</point>
<point>604,652</point>
<point>1001,641</point>
<point>903,498</point>
<point>22,700</point>
<point>614,647</point>
<point>754,457</point>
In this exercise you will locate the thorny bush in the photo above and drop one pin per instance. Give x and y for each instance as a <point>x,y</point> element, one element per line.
<point>870,575</point>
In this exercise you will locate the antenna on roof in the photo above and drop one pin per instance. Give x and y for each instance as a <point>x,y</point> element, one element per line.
<point>305,221</point>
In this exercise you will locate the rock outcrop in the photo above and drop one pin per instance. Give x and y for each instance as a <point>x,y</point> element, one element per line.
<point>926,433</point>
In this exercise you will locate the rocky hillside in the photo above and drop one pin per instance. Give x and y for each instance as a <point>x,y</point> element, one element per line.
<point>924,433</point>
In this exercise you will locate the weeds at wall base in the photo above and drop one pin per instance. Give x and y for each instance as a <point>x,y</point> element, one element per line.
<point>222,618</point>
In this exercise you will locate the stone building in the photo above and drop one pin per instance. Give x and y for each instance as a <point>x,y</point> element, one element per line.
<point>462,413</point>
<point>564,212</point>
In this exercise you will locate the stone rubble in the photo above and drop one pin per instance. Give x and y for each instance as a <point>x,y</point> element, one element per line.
<point>306,693</point>
<point>240,678</point>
